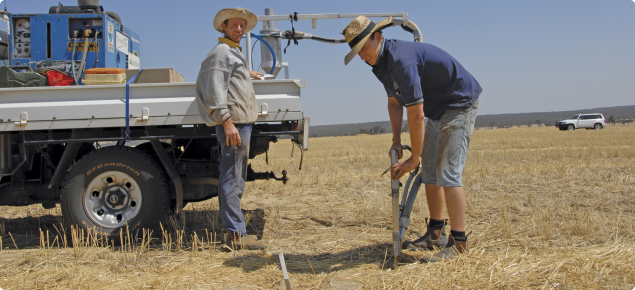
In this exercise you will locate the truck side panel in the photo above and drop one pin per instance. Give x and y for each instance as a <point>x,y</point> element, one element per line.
<point>104,106</point>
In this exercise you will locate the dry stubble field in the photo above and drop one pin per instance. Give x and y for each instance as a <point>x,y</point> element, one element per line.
<point>547,209</point>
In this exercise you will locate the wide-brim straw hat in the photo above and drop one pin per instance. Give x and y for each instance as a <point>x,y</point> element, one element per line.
<point>359,31</point>
<point>227,13</point>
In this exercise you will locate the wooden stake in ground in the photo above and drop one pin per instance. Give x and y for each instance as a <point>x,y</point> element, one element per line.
<point>283,266</point>
<point>16,246</point>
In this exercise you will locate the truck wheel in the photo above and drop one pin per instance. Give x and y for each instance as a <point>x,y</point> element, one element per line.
<point>115,188</point>
<point>597,127</point>
<point>570,127</point>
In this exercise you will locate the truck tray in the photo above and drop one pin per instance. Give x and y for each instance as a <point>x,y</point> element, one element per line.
<point>103,106</point>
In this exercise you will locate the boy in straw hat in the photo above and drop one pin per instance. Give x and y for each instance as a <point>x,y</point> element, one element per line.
<point>226,100</point>
<point>429,83</point>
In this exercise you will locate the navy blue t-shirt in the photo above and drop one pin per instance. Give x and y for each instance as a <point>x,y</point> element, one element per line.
<point>414,73</point>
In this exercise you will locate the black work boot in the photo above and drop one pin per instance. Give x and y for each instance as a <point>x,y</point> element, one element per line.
<point>237,242</point>
<point>426,242</point>
<point>453,249</point>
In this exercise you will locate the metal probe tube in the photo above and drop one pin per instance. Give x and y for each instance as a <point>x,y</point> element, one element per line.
<point>396,236</point>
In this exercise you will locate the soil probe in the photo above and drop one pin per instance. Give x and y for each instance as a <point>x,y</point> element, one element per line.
<point>401,211</point>
<point>396,236</point>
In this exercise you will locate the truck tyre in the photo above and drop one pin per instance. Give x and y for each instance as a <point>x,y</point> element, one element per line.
<point>570,127</point>
<point>597,127</point>
<point>115,188</point>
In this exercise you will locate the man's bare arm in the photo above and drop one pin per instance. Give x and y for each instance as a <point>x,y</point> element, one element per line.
<point>417,131</point>
<point>395,111</point>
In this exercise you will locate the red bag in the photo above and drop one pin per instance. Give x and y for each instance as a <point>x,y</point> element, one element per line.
<point>57,79</point>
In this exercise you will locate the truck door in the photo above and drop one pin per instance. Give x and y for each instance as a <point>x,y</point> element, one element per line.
<point>585,121</point>
<point>575,120</point>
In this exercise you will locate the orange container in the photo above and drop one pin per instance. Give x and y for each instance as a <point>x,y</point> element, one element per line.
<point>105,71</point>
<point>58,79</point>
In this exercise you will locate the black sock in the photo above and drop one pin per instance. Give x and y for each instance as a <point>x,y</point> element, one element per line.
<point>458,236</point>
<point>437,224</point>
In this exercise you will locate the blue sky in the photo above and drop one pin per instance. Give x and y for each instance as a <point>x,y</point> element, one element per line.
<point>529,56</point>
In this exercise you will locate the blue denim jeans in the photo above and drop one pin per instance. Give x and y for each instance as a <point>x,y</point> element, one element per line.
<point>445,145</point>
<point>233,162</point>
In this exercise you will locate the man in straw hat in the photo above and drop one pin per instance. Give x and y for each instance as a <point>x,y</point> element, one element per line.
<point>429,83</point>
<point>226,100</point>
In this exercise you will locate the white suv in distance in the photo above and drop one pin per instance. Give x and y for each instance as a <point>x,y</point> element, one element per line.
<point>588,121</point>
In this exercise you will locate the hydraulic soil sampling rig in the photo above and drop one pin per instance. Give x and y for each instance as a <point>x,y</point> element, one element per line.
<point>73,100</point>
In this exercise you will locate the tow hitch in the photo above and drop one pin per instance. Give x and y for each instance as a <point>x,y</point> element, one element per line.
<point>252,175</point>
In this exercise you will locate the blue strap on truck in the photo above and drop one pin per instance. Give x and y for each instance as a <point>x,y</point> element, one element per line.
<point>128,105</point>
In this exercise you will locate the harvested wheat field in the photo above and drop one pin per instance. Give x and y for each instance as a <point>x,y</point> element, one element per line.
<point>547,209</point>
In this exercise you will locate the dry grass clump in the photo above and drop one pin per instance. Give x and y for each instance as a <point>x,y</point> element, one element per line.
<point>547,209</point>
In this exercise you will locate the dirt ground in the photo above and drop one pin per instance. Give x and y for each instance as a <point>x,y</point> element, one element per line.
<point>547,209</point>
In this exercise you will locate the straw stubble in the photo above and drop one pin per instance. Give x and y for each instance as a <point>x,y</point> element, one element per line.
<point>547,209</point>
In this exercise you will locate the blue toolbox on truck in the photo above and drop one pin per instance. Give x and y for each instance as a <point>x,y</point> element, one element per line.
<point>71,39</point>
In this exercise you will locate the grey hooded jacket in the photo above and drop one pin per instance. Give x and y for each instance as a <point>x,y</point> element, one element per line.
<point>224,88</point>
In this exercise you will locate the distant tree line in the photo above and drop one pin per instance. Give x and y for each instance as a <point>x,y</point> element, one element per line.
<point>621,113</point>
<point>613,120</point>
<point>380,130</point>
<point>405,128</point>
<point>373,131</point>
<point>493,125</point>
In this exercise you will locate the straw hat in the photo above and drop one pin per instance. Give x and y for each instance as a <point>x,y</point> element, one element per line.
<point>358,31</point>
<point>228,13</point>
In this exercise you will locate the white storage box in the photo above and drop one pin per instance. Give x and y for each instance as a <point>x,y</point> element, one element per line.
<point>104,79</point>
